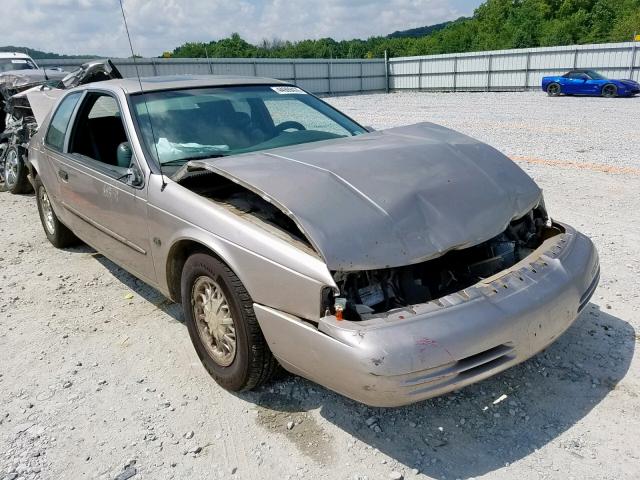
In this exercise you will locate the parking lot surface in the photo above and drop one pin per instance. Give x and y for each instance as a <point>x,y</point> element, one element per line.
<point>98,377</point>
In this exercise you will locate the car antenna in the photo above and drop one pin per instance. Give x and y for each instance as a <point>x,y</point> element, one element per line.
<point>144,97</point>
<point>44,69</point>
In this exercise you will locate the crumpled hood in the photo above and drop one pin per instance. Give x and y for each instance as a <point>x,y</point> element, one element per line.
<point>23,78</point>
<point>388,198</point>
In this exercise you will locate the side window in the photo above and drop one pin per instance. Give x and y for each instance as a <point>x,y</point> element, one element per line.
<point>60,121</point>
<point>99,133</point>
<point>578,75</point>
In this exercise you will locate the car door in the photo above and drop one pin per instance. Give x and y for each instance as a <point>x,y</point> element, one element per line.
<point>103,185</point>
<point>574,83</point>
<point>51,147</point>
<point>582,84</point>
<point>592,86</point>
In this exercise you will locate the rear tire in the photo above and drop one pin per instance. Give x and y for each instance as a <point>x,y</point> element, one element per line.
<point>13,171</point>
<point>609,90</point>
<point>222,325</point>
<point>554,89</point>
<point>57,233</point>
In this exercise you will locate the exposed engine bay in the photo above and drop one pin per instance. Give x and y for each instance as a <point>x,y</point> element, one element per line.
<point>363,294</point>
<point>367,293</point>
<point>248,205</point>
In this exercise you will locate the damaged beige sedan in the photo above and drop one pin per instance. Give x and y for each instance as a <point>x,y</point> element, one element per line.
<point>389,266</point>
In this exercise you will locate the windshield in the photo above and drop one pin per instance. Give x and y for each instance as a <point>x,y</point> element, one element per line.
<point>182,125</point>
<point>595,75</point>
<point>8,64</point>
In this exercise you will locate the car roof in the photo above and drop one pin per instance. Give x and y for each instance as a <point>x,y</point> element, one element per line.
<point>14,55</point>
<point>174,82</point>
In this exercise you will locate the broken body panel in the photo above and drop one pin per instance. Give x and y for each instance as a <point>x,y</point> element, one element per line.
<point>429,349</point>
<point>27,97</point>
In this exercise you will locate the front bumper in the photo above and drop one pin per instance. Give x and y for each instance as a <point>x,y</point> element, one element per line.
<point>433,348</point>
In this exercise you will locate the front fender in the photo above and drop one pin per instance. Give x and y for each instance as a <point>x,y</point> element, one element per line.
<point>274,272</point>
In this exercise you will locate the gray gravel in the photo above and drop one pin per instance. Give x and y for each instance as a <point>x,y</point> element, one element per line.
<point>584,130</point>
<point>98,378</point>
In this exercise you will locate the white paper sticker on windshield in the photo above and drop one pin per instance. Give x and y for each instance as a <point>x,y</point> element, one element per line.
<point>18,60</point>
<point>286,90</point>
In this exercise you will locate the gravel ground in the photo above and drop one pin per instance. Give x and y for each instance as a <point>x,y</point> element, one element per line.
<point>98,378</point>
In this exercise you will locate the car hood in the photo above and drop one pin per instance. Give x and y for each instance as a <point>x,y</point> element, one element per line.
<point>629,83</point>
<point>24,78</point>
<point>388,198</point>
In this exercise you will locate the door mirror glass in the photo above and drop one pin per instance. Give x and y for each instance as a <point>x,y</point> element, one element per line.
<point>134,177</point>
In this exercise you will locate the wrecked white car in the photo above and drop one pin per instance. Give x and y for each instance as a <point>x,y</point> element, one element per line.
<point>389,266</point>
<point>25,102</point>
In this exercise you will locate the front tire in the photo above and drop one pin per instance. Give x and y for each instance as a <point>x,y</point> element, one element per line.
<point>57,233</point>
<point>554,89</point>
<point>222,325</point>
<point>13,171</point>
<point>609,90</point>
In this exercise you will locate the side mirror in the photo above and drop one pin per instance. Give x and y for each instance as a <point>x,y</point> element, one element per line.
<point>124,158</point>
<point>134,176</point>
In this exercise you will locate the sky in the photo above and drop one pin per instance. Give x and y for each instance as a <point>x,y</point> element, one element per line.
<point>95,26</point>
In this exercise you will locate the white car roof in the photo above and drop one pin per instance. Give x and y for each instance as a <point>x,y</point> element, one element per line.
<point>15,55</point>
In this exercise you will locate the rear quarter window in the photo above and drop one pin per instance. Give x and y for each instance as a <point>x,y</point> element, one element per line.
<point>60,121</point>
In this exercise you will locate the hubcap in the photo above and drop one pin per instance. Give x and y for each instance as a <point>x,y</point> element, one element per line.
<point>608,90</point>
<point>11,168</point>
<point>214,321</point>
<point>554,89</point>
<point>47,211</point>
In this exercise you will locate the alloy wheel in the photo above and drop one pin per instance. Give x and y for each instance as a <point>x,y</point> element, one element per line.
<point>3,150</point>
<point>11,168</point>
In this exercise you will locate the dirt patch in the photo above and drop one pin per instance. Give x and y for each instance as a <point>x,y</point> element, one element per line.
<point>299,427</point>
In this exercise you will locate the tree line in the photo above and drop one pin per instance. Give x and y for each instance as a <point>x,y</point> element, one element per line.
<point>496,24</point>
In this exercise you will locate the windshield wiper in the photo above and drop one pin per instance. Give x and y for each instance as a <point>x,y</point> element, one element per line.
<point>181,161</point>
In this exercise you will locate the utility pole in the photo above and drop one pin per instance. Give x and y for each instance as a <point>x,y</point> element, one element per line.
<point>633,55</point>
<point>386,70</point>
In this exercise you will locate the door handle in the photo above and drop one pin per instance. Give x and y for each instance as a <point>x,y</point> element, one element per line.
<point>63,175</point>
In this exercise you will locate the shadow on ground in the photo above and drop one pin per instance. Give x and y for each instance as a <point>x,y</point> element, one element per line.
<point>463,434</point>
<point>147,292</point>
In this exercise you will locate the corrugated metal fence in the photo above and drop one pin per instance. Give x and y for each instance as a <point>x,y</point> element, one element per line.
<point>317,76</point>
<point>502,70</point>
<point>497,70</point>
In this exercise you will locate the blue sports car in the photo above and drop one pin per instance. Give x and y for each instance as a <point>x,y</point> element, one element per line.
<point>588,82</point>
